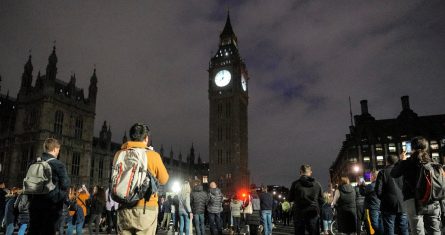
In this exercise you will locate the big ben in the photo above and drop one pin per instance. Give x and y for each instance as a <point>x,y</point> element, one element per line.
<point>228,97</point>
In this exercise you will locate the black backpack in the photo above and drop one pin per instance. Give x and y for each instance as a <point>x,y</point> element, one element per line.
<point>430,184</point>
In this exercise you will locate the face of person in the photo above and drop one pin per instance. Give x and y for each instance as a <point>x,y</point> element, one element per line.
<point>95,189</point>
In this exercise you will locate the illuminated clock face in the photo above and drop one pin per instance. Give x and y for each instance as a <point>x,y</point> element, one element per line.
<point>222,78</point>
<point>243,82</point>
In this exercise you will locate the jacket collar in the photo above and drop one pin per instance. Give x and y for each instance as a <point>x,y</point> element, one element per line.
<point>133,144</point>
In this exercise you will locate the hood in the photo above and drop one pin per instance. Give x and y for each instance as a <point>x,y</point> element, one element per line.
<point>346,188</point>
<point>198,188</point>
<point>215,191</point>
<point>307,181</point>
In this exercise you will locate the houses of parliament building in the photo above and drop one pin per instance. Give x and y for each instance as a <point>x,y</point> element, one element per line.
<point>50,107</point>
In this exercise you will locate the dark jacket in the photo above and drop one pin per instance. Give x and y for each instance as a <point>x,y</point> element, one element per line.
<point>167,206</point>
<point>410,170</point>
<point>266,201</point>
<point>360,195</point>
<point>198,200</point>
<point>372,202</point>
<point>307,195</point>
<point>214,204</point>
<point>327,213</point>
<point>389,190</point>
<point>60,180</point>
<point>10,213</point>
<point>22,206</point>
<point>347,200</point>
<point>96,206</point>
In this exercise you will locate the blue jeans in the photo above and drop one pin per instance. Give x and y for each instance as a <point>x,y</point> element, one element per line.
<point>215,222</point>
<point>376,221</point>
<point>389,221</point>
<point>326,225</point>
<point>9,229</point>
<point>184,222</point>
<point>199,224</point>
<point>22,229</point>
<point>266,216</point>
<point>71,227</point>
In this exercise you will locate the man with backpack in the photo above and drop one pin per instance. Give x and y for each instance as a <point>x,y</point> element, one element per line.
<point>45,206</point>
<point>422,208</point>
<point>137,216</point>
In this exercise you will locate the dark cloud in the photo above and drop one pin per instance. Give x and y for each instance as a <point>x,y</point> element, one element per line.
<point>304,59</point>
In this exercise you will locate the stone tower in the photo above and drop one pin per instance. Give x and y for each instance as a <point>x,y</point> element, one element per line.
<point>228,98</point>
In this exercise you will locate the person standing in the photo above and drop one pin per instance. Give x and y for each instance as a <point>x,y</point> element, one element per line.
<point>10,216</point>
<point>360,205</point>
<point>307,195</point>
<point>185,210</point>
<point>97,205</point>
<point>372,208</point>
<point>423,219</point>
<point>76,213</point>
<point>344,201</point>
<point>253,218</point>
<point>235,209</point>
<point>389,190</point>
<point>46,210</point>
<point>142,218</point>
<point>110,209</point>
<point>266,205</point>
<point>285,207</point>
<point>214,207</point>
<point>167,213</point>
<point>22,206</point>
<point>198,202</point>
<point>327,213</point>
<point>2,200</point>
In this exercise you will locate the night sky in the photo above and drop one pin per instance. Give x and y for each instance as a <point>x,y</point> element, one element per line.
<point>304,59</point>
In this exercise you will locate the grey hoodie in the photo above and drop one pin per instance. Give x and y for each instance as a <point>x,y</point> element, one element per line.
<point>215,201</point>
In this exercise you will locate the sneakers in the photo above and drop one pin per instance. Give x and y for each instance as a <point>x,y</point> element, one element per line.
<point>260,228</point>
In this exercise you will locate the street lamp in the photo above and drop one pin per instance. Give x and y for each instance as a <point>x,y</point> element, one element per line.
<point>356,169</point>
<point>176,187</point>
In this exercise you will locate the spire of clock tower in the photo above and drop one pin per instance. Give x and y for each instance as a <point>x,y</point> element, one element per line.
<point>228,36</point>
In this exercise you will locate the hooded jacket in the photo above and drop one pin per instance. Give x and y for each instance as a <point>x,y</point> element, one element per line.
<point>199,200</point>
<point>346,201</point>
<point>215,201</point>
<point>389,190</point>
<point>410,170</point>
<point>307,195</point>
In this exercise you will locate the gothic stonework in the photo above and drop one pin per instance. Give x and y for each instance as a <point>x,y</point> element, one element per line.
<point>228,97</point>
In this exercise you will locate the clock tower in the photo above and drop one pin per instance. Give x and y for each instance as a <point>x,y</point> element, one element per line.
<point>228,97</point>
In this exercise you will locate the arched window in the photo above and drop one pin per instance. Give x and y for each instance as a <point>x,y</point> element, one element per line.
<point>58,123</point>
<point>75,164</point>
<point>78,128</point>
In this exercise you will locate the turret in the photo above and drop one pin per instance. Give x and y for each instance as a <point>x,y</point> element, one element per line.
<point>51,68</point>
<point>92,90</point>
<point>27,76</point>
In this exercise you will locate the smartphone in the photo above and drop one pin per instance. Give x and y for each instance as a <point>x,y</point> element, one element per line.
<point>406,146</point>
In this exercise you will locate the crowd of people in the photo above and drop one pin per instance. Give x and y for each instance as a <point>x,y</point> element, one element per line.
<point>389,204</point>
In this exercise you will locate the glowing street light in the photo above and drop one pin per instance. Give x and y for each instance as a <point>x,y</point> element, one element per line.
<point>356,168</point>
<point>279,196</point>
<point>274,192</point>
<point>176,187</point>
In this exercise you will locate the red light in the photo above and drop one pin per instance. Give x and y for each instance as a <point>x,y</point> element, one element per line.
<point>244,195</point>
